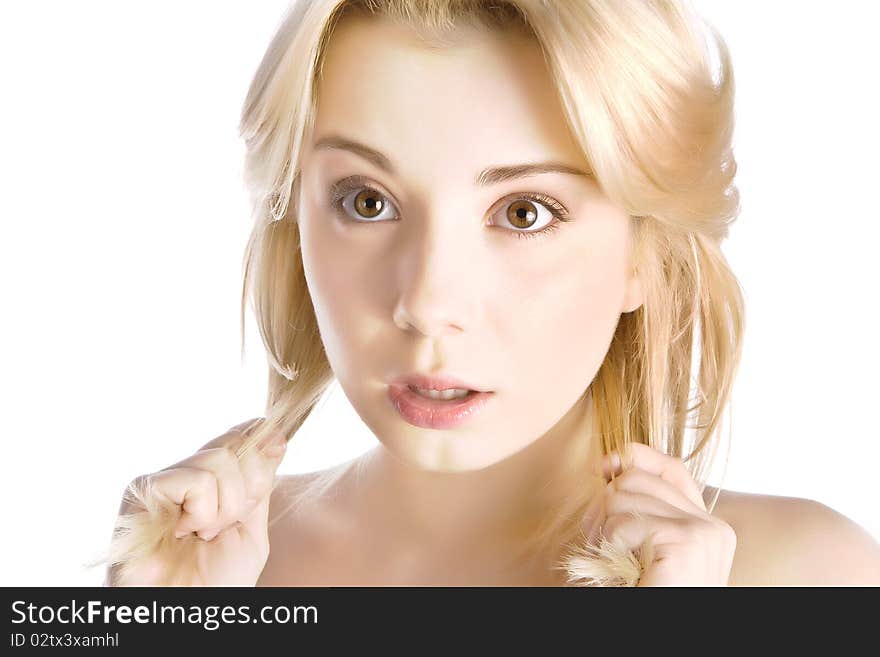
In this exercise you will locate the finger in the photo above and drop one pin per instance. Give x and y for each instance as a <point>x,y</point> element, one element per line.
<point>232,499</point>
<point>194,490</point>
<point>668,468</point>
<point>637,480</point>
<point>631,530</point>
<point>255,528</point>
<point>235,435</point>
<point>239,481</point>
<point>623,501</point>
<point>258,467</point>
<point>231,439</point>
<point>273,443</point>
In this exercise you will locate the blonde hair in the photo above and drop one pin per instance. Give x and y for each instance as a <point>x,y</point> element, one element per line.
<point>638,91</point>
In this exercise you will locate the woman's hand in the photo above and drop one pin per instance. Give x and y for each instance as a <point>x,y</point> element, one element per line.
<point>653,498</point>
<point>219,503</point>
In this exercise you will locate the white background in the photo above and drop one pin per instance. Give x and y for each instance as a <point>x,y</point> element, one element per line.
<point>123,220</point>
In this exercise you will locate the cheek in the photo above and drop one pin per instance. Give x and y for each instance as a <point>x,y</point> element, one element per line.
<point>339,260</point>
<point>564,316</point>
<point>335,273</point>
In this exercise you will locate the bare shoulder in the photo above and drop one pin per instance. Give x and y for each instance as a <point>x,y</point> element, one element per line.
<point>791,541</point>
<point>305,531</point>
<point>780,541</point>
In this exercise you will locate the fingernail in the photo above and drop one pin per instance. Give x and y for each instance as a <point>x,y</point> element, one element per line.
<point>610,464</point>
<point>180,534</point>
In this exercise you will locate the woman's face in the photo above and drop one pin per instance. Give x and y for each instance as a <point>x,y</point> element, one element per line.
<point>417,263</point>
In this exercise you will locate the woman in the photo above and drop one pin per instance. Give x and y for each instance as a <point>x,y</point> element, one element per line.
<point>520,204</point>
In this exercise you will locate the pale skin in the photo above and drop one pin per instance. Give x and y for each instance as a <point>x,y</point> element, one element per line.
<point>532,322</point>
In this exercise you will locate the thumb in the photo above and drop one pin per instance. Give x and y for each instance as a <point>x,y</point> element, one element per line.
<point>258,465</point>
<point>258,468</point>
<point>273,446</point>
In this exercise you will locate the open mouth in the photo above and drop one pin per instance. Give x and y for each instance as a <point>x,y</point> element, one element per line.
<point>436,409</point>
<point>451,394</point>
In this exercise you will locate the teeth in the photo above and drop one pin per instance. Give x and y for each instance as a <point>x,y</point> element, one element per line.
<point>452,393</point>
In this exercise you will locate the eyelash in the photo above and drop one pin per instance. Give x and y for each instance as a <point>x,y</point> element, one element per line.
<point>339,190</point>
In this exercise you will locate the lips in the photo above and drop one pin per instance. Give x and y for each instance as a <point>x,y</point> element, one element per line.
<point>438,382</point>
<point>430,413</point>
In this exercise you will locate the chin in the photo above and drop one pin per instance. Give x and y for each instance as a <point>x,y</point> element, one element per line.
<point>473,446</point>
<point>446,451</point>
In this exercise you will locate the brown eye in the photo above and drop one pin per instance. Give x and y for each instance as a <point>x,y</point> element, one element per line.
<point>522,213</point>
<point>357,201</point>
<point>530,214</point>
<point>369,203</point>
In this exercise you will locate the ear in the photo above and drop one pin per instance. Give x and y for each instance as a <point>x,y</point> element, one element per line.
<point>634,296</point>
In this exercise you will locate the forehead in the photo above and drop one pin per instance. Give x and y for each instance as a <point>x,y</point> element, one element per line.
<point>487,97</point>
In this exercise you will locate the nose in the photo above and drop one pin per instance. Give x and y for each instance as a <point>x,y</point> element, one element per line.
<point>436,293</point>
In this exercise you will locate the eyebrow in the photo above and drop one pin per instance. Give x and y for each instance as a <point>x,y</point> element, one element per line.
<point>490,176</point>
